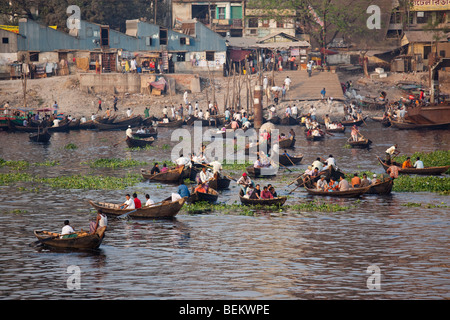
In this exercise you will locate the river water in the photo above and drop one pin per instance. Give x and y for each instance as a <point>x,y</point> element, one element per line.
<point>270,255</point>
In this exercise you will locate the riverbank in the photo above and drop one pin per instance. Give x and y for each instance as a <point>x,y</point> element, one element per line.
<point>65,90</point>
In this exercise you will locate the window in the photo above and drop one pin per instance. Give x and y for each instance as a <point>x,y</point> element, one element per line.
<point>253,22</point>
<point>221,12</point>
<point>181,56</point>
<point>209,55</point>
<point>34,56</point>
<point>423,16</point>
<point>182,41</point>
<point>442,53</point>
<point>5,40</point>
<point>265,23</point>
<point>148,41</point>
<point>280,24</point>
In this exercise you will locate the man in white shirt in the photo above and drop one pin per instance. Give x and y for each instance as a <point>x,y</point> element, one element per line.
<point>317,164</point>
<point>165,111</point>
<point>217,166</point>
<point>67,229</point>
<point>294,110</point>
<point>330,162</point>
<point>391,152</point>
<point>200,114</point>
<point>129,132</point>
<point>129,112</point>
<point>205,175</point>
<point>185,98</point>
<point>418,164</point>
<point>287,82</point>
<point>128,204</point>
<point>93,117</point>
<point>149,201</point>
<point>183,161</point>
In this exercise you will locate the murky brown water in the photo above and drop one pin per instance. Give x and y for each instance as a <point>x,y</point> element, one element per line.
<point>294,255</point>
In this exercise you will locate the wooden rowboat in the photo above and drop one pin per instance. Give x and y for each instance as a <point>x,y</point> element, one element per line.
<point>348,123</point>
<point>139,143</point>
<point>286,143</point>
<point>277,201</point>
<point>219,183</point>
<point>336,130</point>
<point>412,125</point>
<point>89,124</point>
<point>171,124</point>
<point>153,133</point>
<point>286,160</point>
<point>210,197</point>
<point>128,121</point>
<point>424,171</point>
<point>167,209</point>
<point>351,193</point>
<point>41,136</point>
<point>311,137</point>
<point>171,176</point>
<point>78,240</point>
<point>258,172</point>
<point>384,187</point>
<point>361,144</point>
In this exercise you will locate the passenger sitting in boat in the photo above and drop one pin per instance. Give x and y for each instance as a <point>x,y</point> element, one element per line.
<point>331,161</point>
<point>266,194</point>
<point>137,202</point>
<point>183,161</point>
<point>155,169</point>
<point>315,173</point>
<point>149,201</point>
<point>140,130</point>
<point>164,168</point>
<point>249,192</point>
<point>257,163</point>
<point>272,190</point>
<point>332,185</point>
<point>66,230</point>
<point>316,132</point>
<point>183,190</point>
<point>309,171</point>
<point>418,164</point>
<point>165,119</point>
<point>355,133</point>
<point>407,163</point>
<point>256,194</point>
<point>322,183</point>
<point>365,182</point>
<point>356,181</point>
<point>343,184</point>
<point>205,176</point>
<point>128,204</point>
<point>101,221</point>
<point>375,180</point>
<point>200,188</point>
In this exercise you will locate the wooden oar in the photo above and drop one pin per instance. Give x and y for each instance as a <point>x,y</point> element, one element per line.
<point>43,240</point>
<point>121,140</point>
<point>295,179</point>
<point>289,159</point>
<point>283,166</point>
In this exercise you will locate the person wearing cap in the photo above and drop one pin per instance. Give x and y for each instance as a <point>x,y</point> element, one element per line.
<point>129,132</point>
<point>244,182</point>
<point>375,180</point>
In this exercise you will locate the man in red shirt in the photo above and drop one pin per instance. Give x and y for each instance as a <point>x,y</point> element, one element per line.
<point>137,202</point>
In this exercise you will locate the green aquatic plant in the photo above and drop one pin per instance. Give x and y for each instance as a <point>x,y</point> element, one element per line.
<point>70,146</point>
<point>411,183</point>
<point>91,182</point>
<point>114,163</point>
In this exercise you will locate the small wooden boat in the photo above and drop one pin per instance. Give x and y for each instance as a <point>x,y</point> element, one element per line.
<point>336,130</point>
<point>312,137</point>
<point>362,144</point>
<point>41,136</point>
<point>219,183</point>
<point>64,127</point>
<point>261,172</point>
<point>139,143</point>
<point>205,123</point>
<point>349,123</point>
<point>128,121</point>
<point>406,125</point>
<point>274,120</point>
<point>74,124</point>
<point>171,124</point>
<point>428,171</point>
<point>153,133</point>
<point>351,193</point>
<point>329,172</point>
<point>210,197</point>
<point>165,209</point>
<point>109,126</point>
<point>89,124</point>
<point>286,143</point>
<point>288,121</point>
<point>286,160</point>
<point>171,176</point>
<point>277,201</point>
<point>381,188</point>
<point>79,240</point>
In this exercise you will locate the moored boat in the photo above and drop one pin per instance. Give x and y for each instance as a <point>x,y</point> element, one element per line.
<point>171,176</point>
<point>288,160</point>
<point>171,124</point>
<point>41,136</point>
